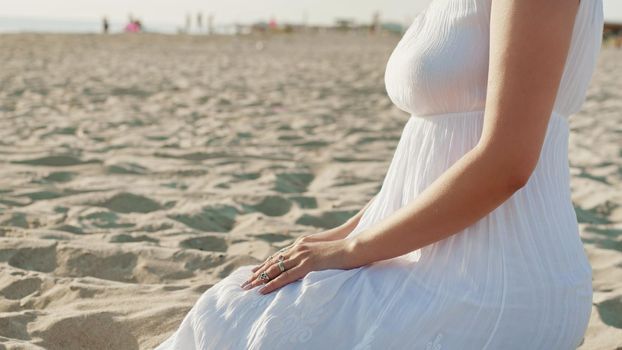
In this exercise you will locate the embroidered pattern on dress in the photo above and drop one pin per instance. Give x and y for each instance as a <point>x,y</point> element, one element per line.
<point>296,327</point>
<point>259,300</point>
<point>436,343</point>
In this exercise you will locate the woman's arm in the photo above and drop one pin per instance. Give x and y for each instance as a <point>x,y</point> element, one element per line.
<point>529,43</point>
<point>338,232</point>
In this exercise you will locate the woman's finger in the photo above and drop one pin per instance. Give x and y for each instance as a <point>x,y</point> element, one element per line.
<point>254,269</point>
<point>257,270</point>
<point>272,270</point>
<point>252,283</point>
<point>254,276</point>
<point>275,270</point>
<point>272,257</point>
<point>286,277</point>
<point>262,268</point>
<point>257,266</point>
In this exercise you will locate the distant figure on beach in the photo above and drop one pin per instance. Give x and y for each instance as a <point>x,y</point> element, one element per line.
<point>133,25</point>
<point>188,22</point>
<point>210,24</point>
<point>375,23</point>
<point>105,25</point>
<point>199,21</point>
<point>272,25</point>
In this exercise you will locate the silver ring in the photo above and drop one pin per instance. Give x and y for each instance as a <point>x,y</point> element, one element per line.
<point>264,276</point>
<point>281,264</point>
<point>278,251</point>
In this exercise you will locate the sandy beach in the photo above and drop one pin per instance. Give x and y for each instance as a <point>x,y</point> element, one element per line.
<point>136,171</point>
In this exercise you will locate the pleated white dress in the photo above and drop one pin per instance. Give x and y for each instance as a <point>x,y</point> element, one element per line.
<point>518,278</point>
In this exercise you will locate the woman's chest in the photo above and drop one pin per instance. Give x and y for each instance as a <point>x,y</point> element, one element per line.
<point>441,61</point>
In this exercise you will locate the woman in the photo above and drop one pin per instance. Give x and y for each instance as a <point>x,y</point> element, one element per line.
<point>472,241</point>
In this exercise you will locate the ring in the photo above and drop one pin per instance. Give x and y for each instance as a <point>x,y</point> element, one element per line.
<point>278,251</point>
<point>281,264</point>
<point>264,276</point>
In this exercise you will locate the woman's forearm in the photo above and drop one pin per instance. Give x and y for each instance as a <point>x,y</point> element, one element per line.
<point>470,189</point>
<point>342,230</point>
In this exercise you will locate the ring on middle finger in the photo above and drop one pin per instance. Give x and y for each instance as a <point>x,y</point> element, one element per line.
<point>281,264</point>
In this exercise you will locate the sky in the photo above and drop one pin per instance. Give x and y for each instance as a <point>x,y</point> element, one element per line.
<point>229,11</point>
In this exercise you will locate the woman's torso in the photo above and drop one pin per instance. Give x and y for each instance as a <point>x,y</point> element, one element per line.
<point>438,73</point>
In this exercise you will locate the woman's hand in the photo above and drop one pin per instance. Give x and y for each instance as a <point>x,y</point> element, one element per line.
<point>299,259</point>
<point>332,234</point>
<point>301,239</point>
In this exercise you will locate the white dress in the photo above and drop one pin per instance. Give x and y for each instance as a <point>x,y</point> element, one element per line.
<point>518,278</point>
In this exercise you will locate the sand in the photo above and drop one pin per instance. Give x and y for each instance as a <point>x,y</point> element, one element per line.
<point>138,171</point>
